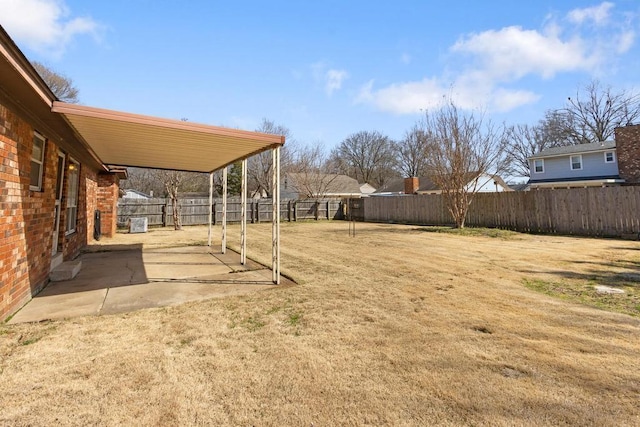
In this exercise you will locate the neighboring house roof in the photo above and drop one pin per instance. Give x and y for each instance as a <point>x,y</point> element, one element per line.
<point>426,185</point>
<point>396,186</point>
<point>135,194</point>
<point>520,187</point>
<point>575,149</point>
<point>320,184</point>
<point>367,188</point>
<point>501,182</point>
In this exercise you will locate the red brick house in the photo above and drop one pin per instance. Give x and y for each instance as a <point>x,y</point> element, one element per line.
<point>57,169</point>
<point>628,150</point>
<point>50,183</point>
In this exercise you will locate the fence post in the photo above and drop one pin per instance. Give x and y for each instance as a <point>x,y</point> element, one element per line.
<point>258,211</point>
<point>295,210</point>
<point>289,211</point>
<point>328,210</point>
<point>164,214</point>
<point>317,208</point>
<point>213,213</point>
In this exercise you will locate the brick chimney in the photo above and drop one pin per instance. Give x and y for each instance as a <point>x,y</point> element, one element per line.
<point>628,152</point>
<point>411,185</point>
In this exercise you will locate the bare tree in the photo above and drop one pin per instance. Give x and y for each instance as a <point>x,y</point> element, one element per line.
<point>144,180</point>
<point>259,173</point>
<point>463,148</point>
<point>556,128</point>
<point>525,141</point>
<point>366,156</point>
<point>412,152</point>
<point>176,182</point>
<point>597,110</point>
<point>172,181</point>
<point>167,183</point>
<point>61,85</point>
<point>307,174</point>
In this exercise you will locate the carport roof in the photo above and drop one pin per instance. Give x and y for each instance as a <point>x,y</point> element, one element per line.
<point>125,139</point>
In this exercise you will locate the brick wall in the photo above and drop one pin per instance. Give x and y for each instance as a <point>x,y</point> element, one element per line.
<point>27,217</point>
<point>108,192</point>
<point>87,196</point>
<point>411,185</point>
<point>91,190</point>
<point>628,152</point>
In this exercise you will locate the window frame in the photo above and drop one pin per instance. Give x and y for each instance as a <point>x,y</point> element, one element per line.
<point>39,162</point>
<point>72,195</point>
<point>613,156</point>
<point>579,156</point>
<point>535,168</point>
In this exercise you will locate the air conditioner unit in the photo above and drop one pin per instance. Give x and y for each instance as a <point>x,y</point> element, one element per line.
<point>138,225</point>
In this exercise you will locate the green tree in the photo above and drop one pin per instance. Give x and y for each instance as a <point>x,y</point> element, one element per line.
<point>234,179</point>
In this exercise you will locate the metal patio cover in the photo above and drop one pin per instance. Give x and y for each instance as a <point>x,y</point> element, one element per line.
<point>125,139</point>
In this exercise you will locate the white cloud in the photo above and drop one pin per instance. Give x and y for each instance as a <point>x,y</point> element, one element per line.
<point>625,41</point>
<point>469,91</point>
<point>330,79</point>
<point>506,100</point>
<point>44,25</point>
<point>403,98</point>
<point>491,60</point>
<point>334,79</point>
<point>598,14</point>
<point>511,53</point>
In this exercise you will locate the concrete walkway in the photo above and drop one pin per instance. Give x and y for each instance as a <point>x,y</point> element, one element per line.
<point>116,281</point>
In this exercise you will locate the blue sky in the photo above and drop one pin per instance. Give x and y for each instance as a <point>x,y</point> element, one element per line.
<point>327,69</point>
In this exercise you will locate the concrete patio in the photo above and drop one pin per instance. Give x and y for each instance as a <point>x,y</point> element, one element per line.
<point>123,278</point>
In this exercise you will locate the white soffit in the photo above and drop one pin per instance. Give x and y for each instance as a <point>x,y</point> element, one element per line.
<point>125,139</point>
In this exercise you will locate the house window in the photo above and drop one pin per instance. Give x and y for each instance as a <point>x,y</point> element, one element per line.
<point>538,166</point>
<point>609,156</point>
<point>37,160</point>
<point>576,162</point>
<point>72,196</point>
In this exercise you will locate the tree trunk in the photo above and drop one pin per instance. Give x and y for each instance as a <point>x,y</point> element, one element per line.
<point>177,218</point>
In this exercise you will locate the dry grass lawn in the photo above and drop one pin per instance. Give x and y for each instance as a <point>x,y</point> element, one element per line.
<point>393,327</point>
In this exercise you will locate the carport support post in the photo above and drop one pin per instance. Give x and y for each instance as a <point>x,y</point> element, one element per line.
<point>210,205</point>
<point>243,214</point>
<point>224,209</point>
<point>275,224</point>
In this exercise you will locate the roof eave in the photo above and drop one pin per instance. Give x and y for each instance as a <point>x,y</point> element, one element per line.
<point>582,183</point>
<point>546,156</point>
<point>127,139</point>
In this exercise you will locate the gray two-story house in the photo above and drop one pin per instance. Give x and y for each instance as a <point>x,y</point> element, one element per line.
<point>584,165</point>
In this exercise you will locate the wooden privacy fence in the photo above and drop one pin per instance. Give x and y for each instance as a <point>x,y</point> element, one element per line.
<point>596,211</point>
<point>196,211</point>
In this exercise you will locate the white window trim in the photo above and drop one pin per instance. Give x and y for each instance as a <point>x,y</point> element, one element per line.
<point>71,204</point>
<point>613,156</point>
<point>39,161</point>
<point>534,165</point>
<point>571,162</point>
